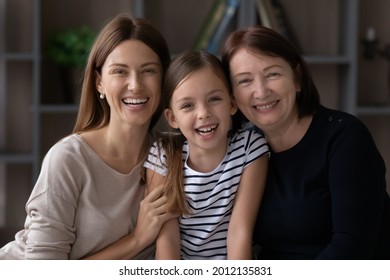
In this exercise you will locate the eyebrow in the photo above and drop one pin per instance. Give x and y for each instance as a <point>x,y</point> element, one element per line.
<point>126,66</point>
<point>184,99</point>
<point>265,69</point>
<point>189,98</point>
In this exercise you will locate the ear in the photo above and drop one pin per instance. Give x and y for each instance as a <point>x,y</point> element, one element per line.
<point>233,109</point>
<point>98,82</point>
<point>170,117</point>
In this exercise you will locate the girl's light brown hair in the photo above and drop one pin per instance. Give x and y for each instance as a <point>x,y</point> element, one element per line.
<point>181,67</point>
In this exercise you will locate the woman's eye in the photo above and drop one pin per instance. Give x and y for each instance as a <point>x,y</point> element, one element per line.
<point>243,81</point>
<point>119,72</point>
<point>272,75</point>
<point>149,71</point>
<point>215,99</point>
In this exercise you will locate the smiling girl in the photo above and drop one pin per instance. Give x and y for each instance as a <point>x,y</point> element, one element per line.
<point>212,170</point>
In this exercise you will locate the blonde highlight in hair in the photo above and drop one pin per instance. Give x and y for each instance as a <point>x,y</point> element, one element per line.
<point>174,180</point>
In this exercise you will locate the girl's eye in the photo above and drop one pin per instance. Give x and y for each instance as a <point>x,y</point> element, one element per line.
<point>186,106</point>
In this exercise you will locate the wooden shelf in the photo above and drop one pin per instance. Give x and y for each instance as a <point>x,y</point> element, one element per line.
<point>373,110</point>
<point>58,108</point>
<point>327,59</point>
<point>16,158</point>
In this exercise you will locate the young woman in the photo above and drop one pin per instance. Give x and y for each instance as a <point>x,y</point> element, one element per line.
<point>325,195</point>
<point>213,173</point>
<point>88,200</point>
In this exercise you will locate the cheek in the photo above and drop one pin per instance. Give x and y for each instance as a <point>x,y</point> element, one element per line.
<point>239,97</point>
<point>290,91</point>
<point>110,86</point>
<point>155,87</point>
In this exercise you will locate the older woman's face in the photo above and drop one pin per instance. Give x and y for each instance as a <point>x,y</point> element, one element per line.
<point>265,89</point>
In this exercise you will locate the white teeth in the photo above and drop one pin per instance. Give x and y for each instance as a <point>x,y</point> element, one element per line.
<point>135,100</point>
<point>207,129</point>
<point>265,107</point>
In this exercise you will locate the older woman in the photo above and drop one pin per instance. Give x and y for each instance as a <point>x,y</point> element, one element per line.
<point>325,195</point>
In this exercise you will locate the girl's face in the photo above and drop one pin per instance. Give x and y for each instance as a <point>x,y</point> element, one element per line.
<point>131,82</point>
<point>201,108</point>
<point>265,89</point>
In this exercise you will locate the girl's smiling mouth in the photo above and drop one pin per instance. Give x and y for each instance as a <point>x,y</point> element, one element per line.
<point>205,130</point>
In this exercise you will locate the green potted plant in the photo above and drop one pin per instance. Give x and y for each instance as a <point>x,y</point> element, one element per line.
<point>69,50</point>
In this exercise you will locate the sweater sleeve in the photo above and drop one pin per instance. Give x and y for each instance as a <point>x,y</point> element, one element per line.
<point>52,206</point>
<point>357,186</point>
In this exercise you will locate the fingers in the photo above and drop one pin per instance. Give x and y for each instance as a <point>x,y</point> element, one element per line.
<point>154,204</point>
<point>161,201</point>
<point>156,198</point>
<point>158,208</point>
<point>154,194</point>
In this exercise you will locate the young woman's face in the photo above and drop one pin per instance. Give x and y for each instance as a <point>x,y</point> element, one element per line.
<point>201,108</point>
<point>131,82</point>
<point>265,89</point>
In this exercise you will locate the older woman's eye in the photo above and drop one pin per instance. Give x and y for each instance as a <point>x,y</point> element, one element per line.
<point>272,75</point>
<point>243,81</point>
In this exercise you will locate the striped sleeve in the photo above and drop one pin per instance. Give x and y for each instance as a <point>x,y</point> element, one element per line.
<point>255,146</point>
<point>156,159</point>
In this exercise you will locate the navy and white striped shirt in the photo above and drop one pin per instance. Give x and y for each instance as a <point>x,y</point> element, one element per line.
<point>210,196</point>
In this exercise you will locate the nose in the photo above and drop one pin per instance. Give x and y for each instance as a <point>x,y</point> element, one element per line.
<point>203,112</point>
<point>133,82</point>
<point>261,89</point>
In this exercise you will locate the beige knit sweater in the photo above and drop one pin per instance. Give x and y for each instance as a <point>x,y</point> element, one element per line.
<point>78,206</point>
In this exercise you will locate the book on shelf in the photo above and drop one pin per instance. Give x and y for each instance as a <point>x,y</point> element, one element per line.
<point>210,25</point>
<point>265,13</point>
<point>272,15</point>
<point>223,26</point>
<point>282,23</point>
